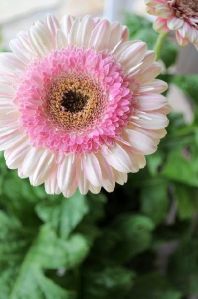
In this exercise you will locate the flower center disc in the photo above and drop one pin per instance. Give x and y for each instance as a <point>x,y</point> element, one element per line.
<point>188,8</point>
<point>74,102</point>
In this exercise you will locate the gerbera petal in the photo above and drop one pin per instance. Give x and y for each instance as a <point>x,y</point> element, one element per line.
<point>175,23</point>
<point>156,86</point>
<point>15,156</point>
<point>118,33</point>
<point>182,41</point>
<point>53,25</point>
<point>43,168</point>
<point>51,183</point>
<point>130,54</point>
<point>6,90</point>
<point>108,180</point>
<point>9,119</point>
<point>71,190</point>
<point>150,121</point>
<point>148,74</point>
<point>94,189</point>
<point>23,47</point>
<point>100,36</point>
<point>61,40</point>
<point>18,50</point>
<point>31,161</point>
<point>193,35</point>
<point>150,102</point>
<point>66,24</point>
<point>117,157</point>
<point>83,183</point>
<point>160,25</point>
<point>120,177</point>
<point>66,172</point>
<point>11,140</point>
<point>41,38</point>
<point>74,33</point>
<point>140,142</point>
<point>85,30</point>
<point>92,169</point>
<point>154,134</point>
<point>9,63</point>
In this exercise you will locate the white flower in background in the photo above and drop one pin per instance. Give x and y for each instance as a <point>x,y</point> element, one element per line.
<point>178,15</point>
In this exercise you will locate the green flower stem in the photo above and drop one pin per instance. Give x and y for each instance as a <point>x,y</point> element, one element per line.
<point>159,44</point>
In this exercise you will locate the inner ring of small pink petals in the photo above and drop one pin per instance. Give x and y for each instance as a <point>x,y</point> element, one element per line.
<point>32,96</point>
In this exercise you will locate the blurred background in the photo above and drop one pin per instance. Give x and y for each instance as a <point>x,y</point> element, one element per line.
<point>141,241</point>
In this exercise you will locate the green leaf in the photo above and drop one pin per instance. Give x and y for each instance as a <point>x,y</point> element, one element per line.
<point>23,261</point>
<point>154,200</point>
<point>96,213</point>
<point>13,240</point>
<point>7,275</point>
<point>63,214</point>
<point>154,286</point>
<point>154,163</point>
<point>169,53</point>
<point>128,236</point>
<point>69,253</point>
<point>19,197</point>
<point>107,283</point>
<point>187,203</point>
<point>34,285</point>
<point>134,236</point>
<point>183,270</point>
<point>182,166</point>
<point>96,207</point>
<point>188,83</point>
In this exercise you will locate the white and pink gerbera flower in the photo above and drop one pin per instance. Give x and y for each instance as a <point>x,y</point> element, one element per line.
<point>178,15</point>
<point>79,105</point>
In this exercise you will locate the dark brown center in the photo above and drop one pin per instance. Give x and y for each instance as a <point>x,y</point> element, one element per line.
<point>185,8</point>
<point>73,101</point>
<point>188,5</point>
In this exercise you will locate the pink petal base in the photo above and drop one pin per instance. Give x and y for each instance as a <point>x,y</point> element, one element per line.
<point>32,98</point>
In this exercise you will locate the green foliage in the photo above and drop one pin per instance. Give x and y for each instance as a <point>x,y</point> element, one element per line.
<point>154,201</point>
<point>185,262</point>
<point>126,237</point>
<point>31,251</point>
<point>59,213</point>
<point>186,199</point>
<point>108,282</point>
<point>179,166</point>
<point>138,242</point>
<point>189,84</point>
<point>154,285</point>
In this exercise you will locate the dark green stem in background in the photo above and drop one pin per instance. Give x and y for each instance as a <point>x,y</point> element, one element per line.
<point>159,44</point>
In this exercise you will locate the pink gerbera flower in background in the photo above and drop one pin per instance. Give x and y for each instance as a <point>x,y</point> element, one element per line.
<point>79,105</point>
<point>178,15</point>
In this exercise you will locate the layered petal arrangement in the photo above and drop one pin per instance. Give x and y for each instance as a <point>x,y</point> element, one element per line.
<point>79,105</point>
<point>178,15</point>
